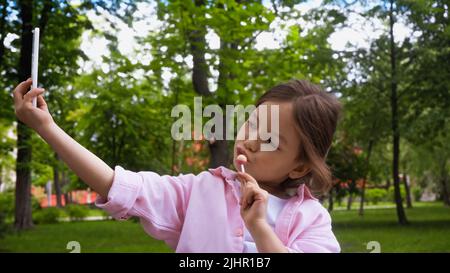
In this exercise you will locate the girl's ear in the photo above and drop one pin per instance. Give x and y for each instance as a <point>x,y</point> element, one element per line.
<point>299,172</point>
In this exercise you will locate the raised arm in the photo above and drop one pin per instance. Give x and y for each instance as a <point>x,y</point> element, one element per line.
<point>91,169</point>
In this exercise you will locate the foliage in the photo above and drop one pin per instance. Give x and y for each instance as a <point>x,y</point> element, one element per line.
<point>120,109</point>
<point>76,212</point>
<point>375,195</point>
<point>47,215</point>
<point>7,204</point>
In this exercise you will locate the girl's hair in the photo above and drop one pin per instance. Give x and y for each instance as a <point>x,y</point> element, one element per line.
<point>316,113</point>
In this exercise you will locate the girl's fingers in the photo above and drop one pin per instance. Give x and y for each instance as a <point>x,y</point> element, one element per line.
<point>248,196</point>
<point>242,191</point>
<point>240,178</point>
<point>21,90</point>
<point>247,177</point>
<point>32,94</point>
<point>41,104</point>
<point>249,186</point>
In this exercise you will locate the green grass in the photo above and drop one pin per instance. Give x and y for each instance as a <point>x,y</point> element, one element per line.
<point>94,236</point>
<point>429,232</point>
<point>355,204</point>
<point>429,229</point>
<point>91,212</point>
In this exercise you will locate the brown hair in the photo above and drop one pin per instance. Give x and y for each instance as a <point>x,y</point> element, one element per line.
<point>316,113</point>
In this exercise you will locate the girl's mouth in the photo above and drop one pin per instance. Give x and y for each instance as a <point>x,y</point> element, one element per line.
<point>241,151</point>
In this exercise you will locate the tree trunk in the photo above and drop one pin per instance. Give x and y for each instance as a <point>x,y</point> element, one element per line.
<point>180,155</point>
<point>174,143</point>
<point>349,201</point>
<point>200,69</point>
<point>395,130</point>
<point>66,199</point>
<point>65,181</point>
<point>444,183</point>
<point>407,191</point>
<point>23,218</point>
<point>68,196</point>
<point>45,15</point>
<point>366,172</point>
<point>330,200</point>
<point>57,182</point>
<point>172,168</point>
<point>445,194</point>
<point>218,148</point>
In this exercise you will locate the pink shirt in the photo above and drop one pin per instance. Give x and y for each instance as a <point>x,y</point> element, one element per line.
<point>201,213</point>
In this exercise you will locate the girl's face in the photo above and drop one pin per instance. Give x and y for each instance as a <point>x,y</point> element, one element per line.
<point>270,168</point>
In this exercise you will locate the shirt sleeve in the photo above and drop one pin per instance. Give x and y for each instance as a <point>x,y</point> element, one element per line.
<point>317,237</point>
<point>159,201</point>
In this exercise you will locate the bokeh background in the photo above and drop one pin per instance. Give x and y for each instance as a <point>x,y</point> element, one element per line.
<point>113,70</point>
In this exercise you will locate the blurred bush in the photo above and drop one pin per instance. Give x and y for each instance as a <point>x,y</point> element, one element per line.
<point>375,195</point>
<point>417,193</point>
<point>47,215</point>
<point>7,204</point>
<point>6,211</point>
<point>3,226</point>
<point>77,212</point>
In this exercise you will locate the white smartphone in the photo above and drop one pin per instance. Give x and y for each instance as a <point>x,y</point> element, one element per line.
<point>35,61</point>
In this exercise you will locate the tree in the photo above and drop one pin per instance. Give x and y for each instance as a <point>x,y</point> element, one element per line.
<point>238,70</point>
<point>395,119</point>
<point>58,59</point>
<point>386,46</point>
<point>22,218</point>
<point>365,103</point>
<point>428,90</point>
<point>188,22</point>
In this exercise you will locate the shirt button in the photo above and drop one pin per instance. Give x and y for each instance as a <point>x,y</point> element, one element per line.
<point>239,232</point>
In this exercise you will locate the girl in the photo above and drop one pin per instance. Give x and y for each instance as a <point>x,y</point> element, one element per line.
<point>269,208</point>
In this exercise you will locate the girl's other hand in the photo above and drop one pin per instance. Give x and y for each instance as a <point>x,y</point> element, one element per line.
<point>35,117</point>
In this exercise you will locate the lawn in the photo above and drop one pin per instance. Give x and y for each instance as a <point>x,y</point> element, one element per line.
<point>429,232</point>
<point>429,229</point>
<point>93,236</point>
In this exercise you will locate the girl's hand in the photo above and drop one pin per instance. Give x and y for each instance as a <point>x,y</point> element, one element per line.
<point>253,201</point>
<point>35,117</point>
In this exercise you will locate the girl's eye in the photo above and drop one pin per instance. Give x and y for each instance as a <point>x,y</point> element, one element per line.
<point>269,141</point>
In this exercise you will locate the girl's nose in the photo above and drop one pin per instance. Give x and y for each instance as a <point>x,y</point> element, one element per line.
<point>251,145</point>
